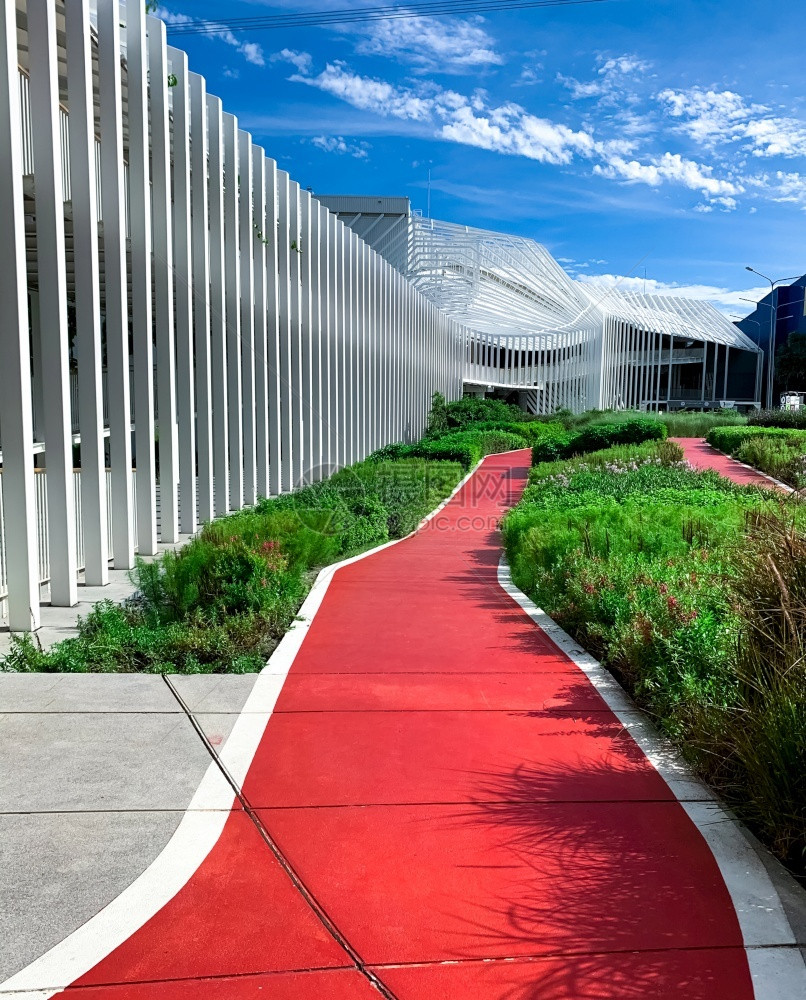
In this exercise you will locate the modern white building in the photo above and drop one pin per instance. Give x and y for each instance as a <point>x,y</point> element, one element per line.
<point>555,341</point>
<point>184,329</point>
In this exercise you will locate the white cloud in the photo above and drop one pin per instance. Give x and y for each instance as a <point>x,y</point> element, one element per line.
<point>337,144</point>
<point>714,117</point>
<point>611,80</point>
<point>676,169</point>
<point>368,94</point>
<point>474,119</point>
<point>723,298</point>
<point>251,51</point>
<point>507,128</point>
<point>431,44</point>
<point>301,60</point>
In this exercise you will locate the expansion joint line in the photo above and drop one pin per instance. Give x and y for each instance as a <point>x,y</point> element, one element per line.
<point>282,860</point>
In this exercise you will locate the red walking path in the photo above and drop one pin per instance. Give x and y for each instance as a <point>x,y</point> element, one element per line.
<point>702,456</point>
<point>442,806</point>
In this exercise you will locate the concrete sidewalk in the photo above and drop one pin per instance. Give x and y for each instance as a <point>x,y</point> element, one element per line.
<point>97,771</point>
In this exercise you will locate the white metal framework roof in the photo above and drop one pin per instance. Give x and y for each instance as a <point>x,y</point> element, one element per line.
<point>512,286</point>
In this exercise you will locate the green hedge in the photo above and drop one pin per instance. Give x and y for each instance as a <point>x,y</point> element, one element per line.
<point>794,419</point>
<point>597,437</point>
<point>466,447</point>
<point>730,439</point>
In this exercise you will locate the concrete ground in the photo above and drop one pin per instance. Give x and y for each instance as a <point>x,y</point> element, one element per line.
<point>98,770</point>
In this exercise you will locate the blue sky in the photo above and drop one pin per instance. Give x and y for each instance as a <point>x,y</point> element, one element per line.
<point>660,134</point>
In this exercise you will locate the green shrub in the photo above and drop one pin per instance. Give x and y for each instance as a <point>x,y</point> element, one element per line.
<point>223,601</point>
<point>438,416</point>
<point>463,413</point>
<point>728,439</point>
<point>683,423</point>
<point>794,419</point>
<point>692,590</point>
<point>777,451</point>
<point>597,437</point>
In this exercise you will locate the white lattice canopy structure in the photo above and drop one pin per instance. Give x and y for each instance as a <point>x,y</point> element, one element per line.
<point>565,343</point>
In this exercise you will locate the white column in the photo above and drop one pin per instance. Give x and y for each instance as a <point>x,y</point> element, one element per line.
<point>86,269</point>
<point>273,331</point>
<point>140,255</point>
<point>315,315</point>
<point>247,243</point>
<point>295,323</point>
<point>305,258</point>
<point>334,388</point>
<point>325,293</point>
<point>183,288</point>
<point>260,319</point>
<point>116,310</point>
<point>52,283</point>
<point>218,325</point>
<point>232,284</point>
<point>16,416</point>
<point>284,332</point>
<point>200,246</point>
<point>163,281</point>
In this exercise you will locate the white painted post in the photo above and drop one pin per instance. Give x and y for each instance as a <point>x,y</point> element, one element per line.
<point>163,282</point>
<point>52,285</point>
<point>183,290</point>
<point>200,282</point>
<point>116,305</point>
<point>334,387</point>
<point>260,320</point>
<point>218,308</point>
<point>284,334</point>
<point>86,270</point>
<point>273,330</point>
<point>16,412</point>
<point>295,321</point>
<point>325,296</point>
<point>247,243</point>
<point>315,339</point>
<point>140,246</point>
<point>305,341</point>
<point>232,284</point>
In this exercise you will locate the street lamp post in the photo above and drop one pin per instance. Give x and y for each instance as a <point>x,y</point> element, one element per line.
<point>773,328</point>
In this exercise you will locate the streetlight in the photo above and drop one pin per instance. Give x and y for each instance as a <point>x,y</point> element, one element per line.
<point>773,327</point>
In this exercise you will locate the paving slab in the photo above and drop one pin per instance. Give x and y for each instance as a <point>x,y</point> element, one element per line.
<point>239,914</point>
<point>213,692</point>
<point>698,974</point>
<point>423,757</point>
<point>59,869</point>
<point>58,761</point>
<point>331,984</point>
<point>34,692</point>
<point>510,879</point>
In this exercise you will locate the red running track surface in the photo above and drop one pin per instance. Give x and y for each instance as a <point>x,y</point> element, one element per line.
<point>701,455</point>
<point>468,818</point>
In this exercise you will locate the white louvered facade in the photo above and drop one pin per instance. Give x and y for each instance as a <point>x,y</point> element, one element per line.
<point>174,302</point>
